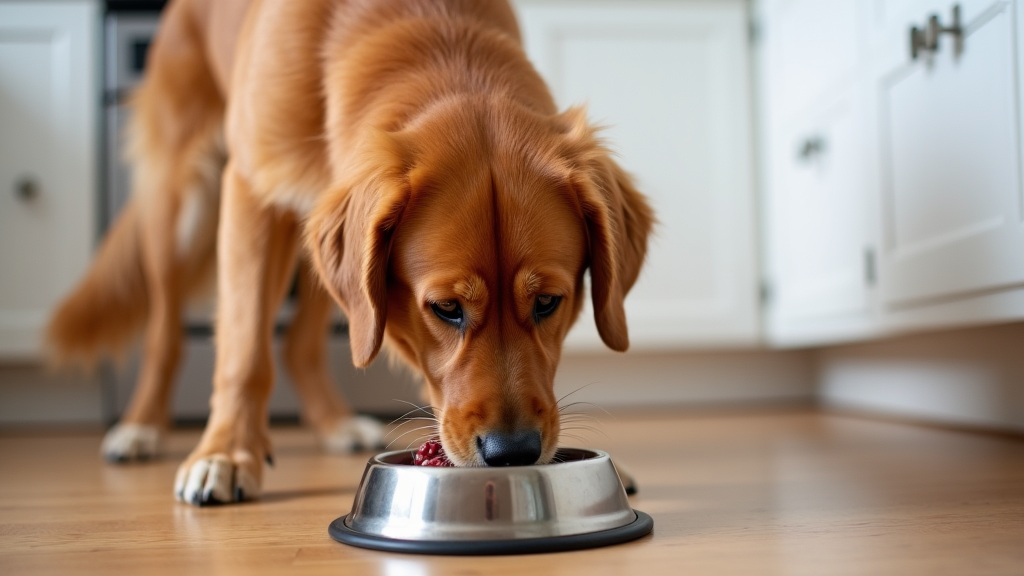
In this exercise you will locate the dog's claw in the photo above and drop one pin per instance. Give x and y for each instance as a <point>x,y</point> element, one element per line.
<point>270,460</point>
<point>215,480</point>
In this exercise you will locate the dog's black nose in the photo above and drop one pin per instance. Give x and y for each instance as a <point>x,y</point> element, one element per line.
<point>510,449</point>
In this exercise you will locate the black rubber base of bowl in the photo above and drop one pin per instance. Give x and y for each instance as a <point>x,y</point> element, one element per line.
<point>639,527</point>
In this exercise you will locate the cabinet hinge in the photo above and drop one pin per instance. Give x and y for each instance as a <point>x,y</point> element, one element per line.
<point>870,272</point>
<point>753,31</point>
<point>764,293</point>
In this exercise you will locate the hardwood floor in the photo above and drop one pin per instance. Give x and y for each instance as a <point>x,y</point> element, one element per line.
<point>783,492</point>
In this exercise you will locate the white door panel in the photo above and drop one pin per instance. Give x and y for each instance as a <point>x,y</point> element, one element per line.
<point>48,108</point>
<point>670,82</point>
<point>950,164</point>
<point>815,49</point>
<point>819,230</point>
<point>820,210</point>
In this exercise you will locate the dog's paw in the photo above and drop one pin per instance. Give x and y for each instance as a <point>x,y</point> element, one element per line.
<point>352,434</point>
<point>131,442</point>
<point>217,479</point>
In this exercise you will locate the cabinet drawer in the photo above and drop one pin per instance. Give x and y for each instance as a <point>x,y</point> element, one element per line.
<point>950,163</point>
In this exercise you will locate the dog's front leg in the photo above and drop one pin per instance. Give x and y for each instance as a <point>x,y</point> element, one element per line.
<point>255,258</point>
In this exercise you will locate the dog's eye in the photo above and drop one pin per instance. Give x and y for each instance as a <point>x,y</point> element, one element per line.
<point>448,310</point>
<point>545,305</point>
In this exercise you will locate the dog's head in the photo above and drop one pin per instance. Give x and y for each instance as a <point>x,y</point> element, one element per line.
<point>463,240</point>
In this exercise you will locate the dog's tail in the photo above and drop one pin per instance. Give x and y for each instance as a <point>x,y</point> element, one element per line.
<point>109,306</point>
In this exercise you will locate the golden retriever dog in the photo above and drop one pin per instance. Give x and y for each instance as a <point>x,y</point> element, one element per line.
<point>409,152</point>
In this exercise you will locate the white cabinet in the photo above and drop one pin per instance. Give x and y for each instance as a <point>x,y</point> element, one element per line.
<point>906,210</point>
<point>49,105</point>
<point>952,203</point>
<point>671,82</point>
<point>818,224</point>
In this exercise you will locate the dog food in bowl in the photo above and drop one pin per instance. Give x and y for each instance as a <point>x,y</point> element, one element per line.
<point>431,454</point>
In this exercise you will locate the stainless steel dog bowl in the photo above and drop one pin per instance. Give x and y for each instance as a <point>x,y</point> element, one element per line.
<point>576,503</point>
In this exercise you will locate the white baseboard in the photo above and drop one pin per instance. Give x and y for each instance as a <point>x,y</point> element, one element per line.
<point>649,379</point>
<point>969,377</point>
<point>606,379</point>
<point>30,394</point>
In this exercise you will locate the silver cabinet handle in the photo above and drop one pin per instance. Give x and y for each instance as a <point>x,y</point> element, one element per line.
<point>26,189</point>
<point>917,42</point>
<point>927,38</point>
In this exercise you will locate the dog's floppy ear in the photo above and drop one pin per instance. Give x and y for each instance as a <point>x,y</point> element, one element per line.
<point>348,236</point>
<point>618,220</point>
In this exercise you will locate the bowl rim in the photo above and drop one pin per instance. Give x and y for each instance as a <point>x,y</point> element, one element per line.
<point>383,458</point>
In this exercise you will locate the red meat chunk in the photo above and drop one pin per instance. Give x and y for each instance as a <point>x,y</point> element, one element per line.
<point>431,454</point>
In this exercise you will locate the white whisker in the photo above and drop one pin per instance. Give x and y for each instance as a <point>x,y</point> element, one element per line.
<point>428,410</point>
<point>580,403</point>
<point>407,432</point>
<point>559,401</point>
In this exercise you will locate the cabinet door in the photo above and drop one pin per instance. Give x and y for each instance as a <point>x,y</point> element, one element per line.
<point>819,249</point>
<point>821,255</point>
<point>670,80</point>
<point>950,152</point>
<point>49,104</point>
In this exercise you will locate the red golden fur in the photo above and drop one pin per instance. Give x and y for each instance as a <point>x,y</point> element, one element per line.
<point>442,200</point>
